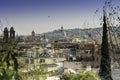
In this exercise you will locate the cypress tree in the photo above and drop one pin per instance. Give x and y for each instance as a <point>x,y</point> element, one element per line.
<point>105,66</point>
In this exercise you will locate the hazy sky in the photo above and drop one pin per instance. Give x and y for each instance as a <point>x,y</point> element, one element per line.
<point>47,15</point>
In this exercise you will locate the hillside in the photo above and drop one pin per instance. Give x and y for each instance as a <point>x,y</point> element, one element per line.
<point>90,32</point>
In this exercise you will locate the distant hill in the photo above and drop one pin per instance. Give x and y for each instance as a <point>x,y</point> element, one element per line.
<point>76,31</point>
<point>89,32</point>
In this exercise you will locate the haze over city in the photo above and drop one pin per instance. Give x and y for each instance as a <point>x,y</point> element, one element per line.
<point>47,15</point>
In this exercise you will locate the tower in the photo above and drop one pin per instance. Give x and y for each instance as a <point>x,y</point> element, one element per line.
<point>9,36</point>
<point>6,34</point>
<point>44,39</point>
<point>63,33</point>
<point>33,33</point>
<point>12,33</point>
<point>61,29</point>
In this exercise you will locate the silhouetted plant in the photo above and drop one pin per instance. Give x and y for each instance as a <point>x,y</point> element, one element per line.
<point>8,64</point>
<point>105,65</point>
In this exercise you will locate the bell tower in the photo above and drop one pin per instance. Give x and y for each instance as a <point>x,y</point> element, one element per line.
<point>6,35</point>
<point>12,33</point>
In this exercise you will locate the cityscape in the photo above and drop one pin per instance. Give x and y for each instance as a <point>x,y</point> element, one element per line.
<point>60,40</point>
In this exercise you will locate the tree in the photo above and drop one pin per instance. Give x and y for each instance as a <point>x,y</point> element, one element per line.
<point>105,66</point>
<point>83,75</point>
<point>8,64</point>
<point>8,61</point>
<point>37,73</point>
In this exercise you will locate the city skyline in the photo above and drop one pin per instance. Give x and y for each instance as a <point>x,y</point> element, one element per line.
<point>47,15</point>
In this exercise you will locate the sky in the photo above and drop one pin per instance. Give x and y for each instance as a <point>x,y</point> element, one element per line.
<point>48,15</point>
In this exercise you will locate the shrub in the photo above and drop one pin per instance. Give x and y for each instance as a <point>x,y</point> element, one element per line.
<point>83,75</point>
